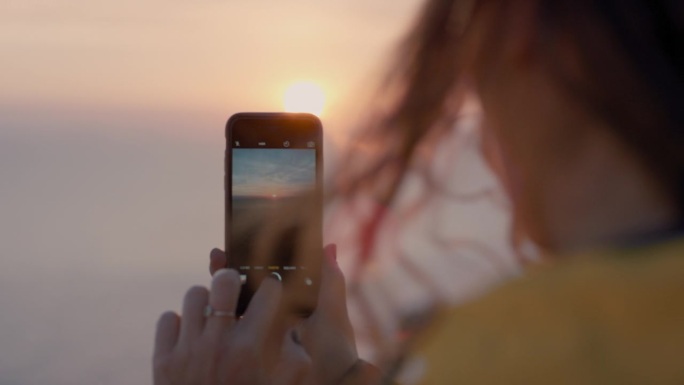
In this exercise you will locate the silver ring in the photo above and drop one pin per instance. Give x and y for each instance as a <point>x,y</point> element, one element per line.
<point>211,312</point>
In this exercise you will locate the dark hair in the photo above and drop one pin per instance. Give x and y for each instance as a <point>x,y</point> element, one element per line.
<point>632,61</point>
<point>632,57</point>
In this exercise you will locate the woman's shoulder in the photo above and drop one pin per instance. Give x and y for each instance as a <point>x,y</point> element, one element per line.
<point>614,315</point>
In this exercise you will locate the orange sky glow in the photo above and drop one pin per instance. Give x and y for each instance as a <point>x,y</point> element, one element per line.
<point>112,116</point>
<point>213,56</point>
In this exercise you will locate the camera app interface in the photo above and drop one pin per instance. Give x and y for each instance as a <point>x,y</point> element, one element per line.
<point>266,181</point>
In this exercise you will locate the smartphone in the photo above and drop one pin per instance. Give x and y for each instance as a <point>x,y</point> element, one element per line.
<point>273,201</point>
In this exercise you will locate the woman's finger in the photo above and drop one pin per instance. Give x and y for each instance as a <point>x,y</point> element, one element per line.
<point>167,333</point>
<point>262,310</point>
<point>294,365</point>
<point>332,298</point>
<point>217,261</point>
<point>225,290</point>
<point>193,314</point>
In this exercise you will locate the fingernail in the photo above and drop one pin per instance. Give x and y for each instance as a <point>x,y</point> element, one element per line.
<point>224,271</point>
<point>331,252</point>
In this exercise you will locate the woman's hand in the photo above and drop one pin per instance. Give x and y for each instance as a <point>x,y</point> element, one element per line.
<point>218,349</point>
<point>327,335</point>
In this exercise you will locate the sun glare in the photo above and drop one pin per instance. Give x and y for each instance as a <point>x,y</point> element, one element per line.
<point>304,96</point>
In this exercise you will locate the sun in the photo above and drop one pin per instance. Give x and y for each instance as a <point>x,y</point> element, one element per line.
<point>304,96</point>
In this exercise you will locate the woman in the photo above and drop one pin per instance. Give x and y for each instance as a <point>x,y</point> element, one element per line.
<point>583,103</point>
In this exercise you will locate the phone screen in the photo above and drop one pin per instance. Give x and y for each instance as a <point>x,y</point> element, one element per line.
<point>274,162</point>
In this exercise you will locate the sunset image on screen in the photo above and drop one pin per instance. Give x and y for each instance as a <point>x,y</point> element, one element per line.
<point>271,173</point>
<point>265,182</point>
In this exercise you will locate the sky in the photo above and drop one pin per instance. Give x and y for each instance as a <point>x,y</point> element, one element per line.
<point>205,56</point>
<point>272,172</point>
<point>112,119</point>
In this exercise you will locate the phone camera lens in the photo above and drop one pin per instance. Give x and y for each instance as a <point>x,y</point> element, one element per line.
<point>286,144</point>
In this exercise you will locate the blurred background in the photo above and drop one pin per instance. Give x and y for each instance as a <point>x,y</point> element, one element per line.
<point>112,119</point>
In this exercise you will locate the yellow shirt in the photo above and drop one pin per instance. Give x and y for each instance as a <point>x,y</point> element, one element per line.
<point>613,317</point>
